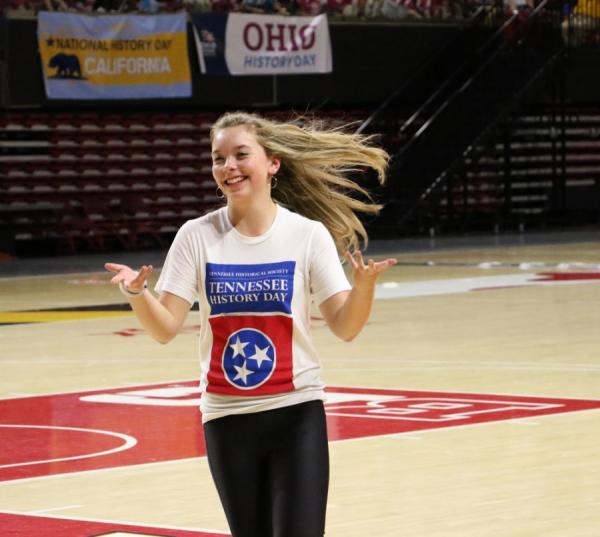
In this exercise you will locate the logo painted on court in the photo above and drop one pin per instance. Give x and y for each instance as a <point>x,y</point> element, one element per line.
<point>120,427</point>
<point>248,358</point>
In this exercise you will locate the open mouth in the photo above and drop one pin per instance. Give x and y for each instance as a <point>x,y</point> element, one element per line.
<point>234,180</point>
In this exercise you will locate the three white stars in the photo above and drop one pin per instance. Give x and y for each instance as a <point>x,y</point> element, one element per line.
<point>260,355</point>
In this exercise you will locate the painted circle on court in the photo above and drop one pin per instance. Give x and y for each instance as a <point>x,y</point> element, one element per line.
<point>25,445</point>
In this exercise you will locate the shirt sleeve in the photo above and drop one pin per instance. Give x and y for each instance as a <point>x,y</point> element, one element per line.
<point>327,275</point>
<point>179,274</point>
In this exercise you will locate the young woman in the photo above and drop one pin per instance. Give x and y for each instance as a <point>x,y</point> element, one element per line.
<point>255,265</point>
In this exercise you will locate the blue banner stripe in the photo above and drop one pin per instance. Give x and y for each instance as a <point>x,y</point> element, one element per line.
<point>57,89</point>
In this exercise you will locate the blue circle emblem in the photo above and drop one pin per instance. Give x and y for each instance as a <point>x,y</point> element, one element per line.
<point>248,358</point>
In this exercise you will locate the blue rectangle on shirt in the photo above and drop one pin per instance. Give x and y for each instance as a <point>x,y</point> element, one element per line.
<point>260,288</point>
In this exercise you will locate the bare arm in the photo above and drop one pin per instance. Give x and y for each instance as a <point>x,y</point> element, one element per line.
<point>346,313</point>
<point>161,317</point>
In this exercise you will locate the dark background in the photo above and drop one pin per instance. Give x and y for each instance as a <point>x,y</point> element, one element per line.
<point>370,60</point>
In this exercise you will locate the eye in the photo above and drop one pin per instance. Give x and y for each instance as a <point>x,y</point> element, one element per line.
<point>217,160</point>
<point>242,155</point>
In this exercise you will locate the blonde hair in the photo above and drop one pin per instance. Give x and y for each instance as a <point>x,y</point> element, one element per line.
<point>312,176</point>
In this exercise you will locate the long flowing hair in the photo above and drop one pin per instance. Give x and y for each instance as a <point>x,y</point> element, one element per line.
<point>312,178</point>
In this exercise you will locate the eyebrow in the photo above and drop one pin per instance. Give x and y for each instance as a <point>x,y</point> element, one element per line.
<point>215,152</point>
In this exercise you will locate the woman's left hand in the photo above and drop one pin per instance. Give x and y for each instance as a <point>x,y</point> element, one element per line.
<point>347,312</point>
<point>366,274</point>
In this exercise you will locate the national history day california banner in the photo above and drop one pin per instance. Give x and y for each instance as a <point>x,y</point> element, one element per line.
<point>114,56</point>
<point>247,44</point>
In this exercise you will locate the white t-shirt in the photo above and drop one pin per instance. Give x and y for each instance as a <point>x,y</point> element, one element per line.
<point>254,295</point>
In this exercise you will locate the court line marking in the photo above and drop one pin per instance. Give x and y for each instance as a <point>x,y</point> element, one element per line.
<point>474,363</point>
<point>109,521</point>
<point>151,385</point>
<point>61,275</point>
<point>98,470</point>
<point>52,509</point>
<point>462,392</point>
<point>400,436</point>
<point>130,441</point>
<point>113,387</point>
<point>467,367</point>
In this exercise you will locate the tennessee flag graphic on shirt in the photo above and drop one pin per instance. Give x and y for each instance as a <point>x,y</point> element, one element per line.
<point>251,323</point>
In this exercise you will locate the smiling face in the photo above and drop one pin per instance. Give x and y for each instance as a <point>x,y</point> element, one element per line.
<point>241,167</point>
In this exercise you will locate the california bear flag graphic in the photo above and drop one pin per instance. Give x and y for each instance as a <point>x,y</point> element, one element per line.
<point>251,323</point>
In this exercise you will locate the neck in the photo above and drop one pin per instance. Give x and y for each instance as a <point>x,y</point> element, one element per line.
<point>254,219</point>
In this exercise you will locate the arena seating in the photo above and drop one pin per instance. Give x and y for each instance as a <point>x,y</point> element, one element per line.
<point>88,181</point>
<point>92,180</point>
<point>518,179</point>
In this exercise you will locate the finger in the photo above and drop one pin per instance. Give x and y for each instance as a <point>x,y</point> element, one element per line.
<point>138,282</point>
<point>351,260</point>
<point>143,273</point>
<point>359,258</point>
<point>114,267</point>
<point>384,265</point>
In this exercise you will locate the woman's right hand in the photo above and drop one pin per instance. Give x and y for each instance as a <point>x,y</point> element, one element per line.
<point>133,281</point>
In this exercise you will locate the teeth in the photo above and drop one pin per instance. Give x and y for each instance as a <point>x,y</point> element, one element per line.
<point>234,181</point>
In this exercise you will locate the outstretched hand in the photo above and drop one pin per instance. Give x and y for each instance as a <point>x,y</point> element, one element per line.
<point>133,281</point>
<point>366,274</point>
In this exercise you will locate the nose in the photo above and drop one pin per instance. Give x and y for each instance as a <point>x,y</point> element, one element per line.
<point>230,162</point>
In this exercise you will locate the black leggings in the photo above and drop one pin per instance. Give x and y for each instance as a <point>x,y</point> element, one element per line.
<point>271,470</point>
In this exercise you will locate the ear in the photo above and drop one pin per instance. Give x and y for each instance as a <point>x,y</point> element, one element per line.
<point>274,166</point>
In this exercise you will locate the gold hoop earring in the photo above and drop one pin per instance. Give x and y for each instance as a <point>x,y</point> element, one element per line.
<point>220,194</point>
<point>274,183</point>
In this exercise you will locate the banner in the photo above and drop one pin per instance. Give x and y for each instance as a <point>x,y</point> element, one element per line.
<point>114,56</point>
<point>247,44</point>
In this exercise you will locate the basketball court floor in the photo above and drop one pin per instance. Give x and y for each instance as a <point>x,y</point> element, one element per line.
<point>468,407</point>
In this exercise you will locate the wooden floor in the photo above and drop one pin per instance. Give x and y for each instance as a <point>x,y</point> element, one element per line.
<point>485,362</point>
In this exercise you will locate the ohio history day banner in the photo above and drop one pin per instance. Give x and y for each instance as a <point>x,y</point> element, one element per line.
<point>248,44</point>
<point>114,56</point>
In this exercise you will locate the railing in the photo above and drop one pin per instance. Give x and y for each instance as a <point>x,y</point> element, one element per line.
<point>580,25</point>
<point>477,16</point>
<point>468,105</point>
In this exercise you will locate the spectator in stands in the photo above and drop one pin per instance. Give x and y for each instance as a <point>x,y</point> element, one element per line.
<point>393,9</point>
<point>198,5</point>
<point>24,5</point>
<point>254,266</point>
<point>519,6</point>
<point>225,6</point>
<point>309,7</point>
<point>338,8</point>
<point>106,6</point>
<point>372,9</point>
<point>56,5</point>
<point>263,6</point>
